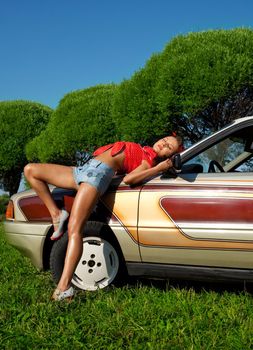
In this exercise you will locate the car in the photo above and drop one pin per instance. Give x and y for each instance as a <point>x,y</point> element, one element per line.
<point>195,222</point>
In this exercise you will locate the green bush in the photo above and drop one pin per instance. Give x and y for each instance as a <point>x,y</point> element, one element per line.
<point>135,110</point>
<point>196,84</point>
<point>81,121</point>
<point>20,122</point>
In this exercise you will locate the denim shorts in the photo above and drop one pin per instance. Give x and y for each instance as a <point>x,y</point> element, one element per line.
<point>95,173</point>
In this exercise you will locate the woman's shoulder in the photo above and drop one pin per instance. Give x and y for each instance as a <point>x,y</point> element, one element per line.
<point>149,155</point>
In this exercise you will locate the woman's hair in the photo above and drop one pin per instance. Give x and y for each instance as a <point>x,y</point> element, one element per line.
<point>180,142</point>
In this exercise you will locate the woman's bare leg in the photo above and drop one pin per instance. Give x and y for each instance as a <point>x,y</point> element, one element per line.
<point>40,175</point>
<point>83,205</point>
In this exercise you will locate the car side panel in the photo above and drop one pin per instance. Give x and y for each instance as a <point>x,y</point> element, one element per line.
<point>123,209</point>
<point>206,221</point>
<point>28,238</point>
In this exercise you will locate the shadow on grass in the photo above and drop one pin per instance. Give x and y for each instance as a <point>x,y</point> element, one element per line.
<point>198,286</point>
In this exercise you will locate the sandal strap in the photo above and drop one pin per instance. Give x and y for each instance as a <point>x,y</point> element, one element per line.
<point>65,294</point>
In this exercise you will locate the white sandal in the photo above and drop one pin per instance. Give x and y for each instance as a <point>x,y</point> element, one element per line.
<point>67,295</point>
<point>60,222</point>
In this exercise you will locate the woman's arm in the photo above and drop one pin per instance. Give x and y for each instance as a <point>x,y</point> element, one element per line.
<point>144,171</point>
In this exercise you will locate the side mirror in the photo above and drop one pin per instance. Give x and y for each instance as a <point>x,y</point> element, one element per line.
<point>176,160</point>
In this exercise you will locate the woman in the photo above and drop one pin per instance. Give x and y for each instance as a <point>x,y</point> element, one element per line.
<point>91,181</point>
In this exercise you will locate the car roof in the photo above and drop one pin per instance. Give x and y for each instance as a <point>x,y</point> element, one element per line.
<point>238,120</point>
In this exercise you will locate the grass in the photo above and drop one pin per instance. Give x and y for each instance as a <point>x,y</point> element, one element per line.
<point>137,316</point>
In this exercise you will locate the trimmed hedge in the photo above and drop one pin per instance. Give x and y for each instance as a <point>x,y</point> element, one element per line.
<point>20,122</point>
<point>197,84</point>
<point>196,77</point>
<point>82,121</point>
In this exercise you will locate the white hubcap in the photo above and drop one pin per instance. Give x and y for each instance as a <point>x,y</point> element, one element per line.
<point>98,265</point>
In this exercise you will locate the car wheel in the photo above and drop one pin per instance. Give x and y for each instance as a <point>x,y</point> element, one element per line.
<point>101,263</point>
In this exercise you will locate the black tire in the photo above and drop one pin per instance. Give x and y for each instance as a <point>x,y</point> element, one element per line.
<point>101,264</point>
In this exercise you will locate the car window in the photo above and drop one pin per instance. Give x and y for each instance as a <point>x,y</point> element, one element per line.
<point>246,166</point>
<point>234,153</point>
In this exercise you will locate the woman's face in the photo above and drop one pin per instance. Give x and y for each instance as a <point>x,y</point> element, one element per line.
<point>166,147</point>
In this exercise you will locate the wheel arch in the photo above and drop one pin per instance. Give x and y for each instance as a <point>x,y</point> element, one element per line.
<point>47,248</point>
<point>107,232</point>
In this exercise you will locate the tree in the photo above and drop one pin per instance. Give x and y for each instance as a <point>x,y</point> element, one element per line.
<point>197,84</point>
<point>136,114</point>
<point>20,121</point>
<point>210,79</point>
<point>82,121</point>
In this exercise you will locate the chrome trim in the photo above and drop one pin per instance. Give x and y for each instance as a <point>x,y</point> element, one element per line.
<point>230,232</point>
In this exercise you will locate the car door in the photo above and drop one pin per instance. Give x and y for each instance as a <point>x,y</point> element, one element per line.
<point>203,216</point>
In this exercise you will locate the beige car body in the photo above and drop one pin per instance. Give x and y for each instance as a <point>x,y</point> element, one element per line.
<point>187,224</point>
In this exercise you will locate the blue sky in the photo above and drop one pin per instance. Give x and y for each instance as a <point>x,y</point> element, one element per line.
<point>52,47</point>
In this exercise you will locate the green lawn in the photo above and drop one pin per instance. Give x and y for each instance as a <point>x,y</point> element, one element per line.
<point>137,316</point>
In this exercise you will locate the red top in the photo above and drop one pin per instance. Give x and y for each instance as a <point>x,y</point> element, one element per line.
<point>134,154</point>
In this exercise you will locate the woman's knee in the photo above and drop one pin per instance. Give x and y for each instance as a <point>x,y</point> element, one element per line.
<point>29,170</point>
<point>74,227</point>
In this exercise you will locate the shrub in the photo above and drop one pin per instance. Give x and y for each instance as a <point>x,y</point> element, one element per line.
<point>81,121</point>
<point>198,83</point>
<point>20,121</point>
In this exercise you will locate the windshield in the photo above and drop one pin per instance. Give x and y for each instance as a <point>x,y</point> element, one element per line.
<point>234,153</point>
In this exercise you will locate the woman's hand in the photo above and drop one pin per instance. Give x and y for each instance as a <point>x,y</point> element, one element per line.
<point>164,165</point>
